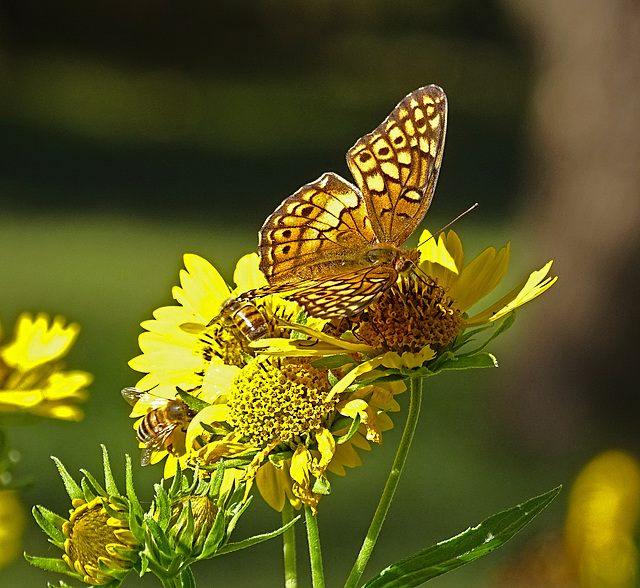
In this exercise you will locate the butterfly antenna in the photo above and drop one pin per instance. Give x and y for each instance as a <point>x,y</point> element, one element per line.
<point>449,223</point>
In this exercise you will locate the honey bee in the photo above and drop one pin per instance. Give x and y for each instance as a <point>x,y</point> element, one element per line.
<point>156,429</point>
<point>246,317</point>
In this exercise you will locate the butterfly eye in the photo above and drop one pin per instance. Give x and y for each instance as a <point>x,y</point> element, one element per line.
<point>376,256</point>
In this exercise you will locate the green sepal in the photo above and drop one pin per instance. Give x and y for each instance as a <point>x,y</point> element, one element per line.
<point>216,481</point>
<point>229,547</point>
<point>193,402</point>
<point>276,459</point>
<point>134,504</point>
<point>505,324</point>
<point>162,506</point>
<point>176,483</point>
<point>332,362</point>
<point>463,548</point>
<point>449,361</point>
<point>157,534</point>
<point>240,507</point>
<point>321,486</point>
<point>187,578</point>
<point>214,538</point>
<point>52,564</point>
<point>50,523</point>
<point>91,486</point>
<point>183,531</point>
<point>73,490</point>
<point>355,423</point>
<point>60,584</point>
<point>119,515</point>
<point>109,480</point>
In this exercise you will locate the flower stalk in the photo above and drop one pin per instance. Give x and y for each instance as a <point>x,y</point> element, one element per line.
<point>289,548</point>
<point>391,485</point>
<point>315,553</point>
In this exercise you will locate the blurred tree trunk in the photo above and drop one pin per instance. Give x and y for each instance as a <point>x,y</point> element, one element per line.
<point>577,379</point>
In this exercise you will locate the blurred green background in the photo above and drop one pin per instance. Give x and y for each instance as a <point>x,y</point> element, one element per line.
<point>134,132</point>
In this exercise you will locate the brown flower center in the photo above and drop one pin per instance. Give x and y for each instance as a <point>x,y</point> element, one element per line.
<point>410,315</point>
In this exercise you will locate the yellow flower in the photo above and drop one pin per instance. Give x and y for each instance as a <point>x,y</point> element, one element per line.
<point>95,539</point>
<point>420,315</point>
<point>604,510</point>
<point>468,284</point>
<point>194,346</point>
<point>32,375</point>
<point>11,526</point>
<point>278,426</point>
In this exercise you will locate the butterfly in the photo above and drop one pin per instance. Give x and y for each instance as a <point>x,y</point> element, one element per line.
<point>334,247</point>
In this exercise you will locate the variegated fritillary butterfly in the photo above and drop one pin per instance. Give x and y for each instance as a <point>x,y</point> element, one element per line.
<point>334,248</point>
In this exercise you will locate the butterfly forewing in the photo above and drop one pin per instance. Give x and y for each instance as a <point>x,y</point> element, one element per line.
<point>397,165</point>
<point>314,232</point>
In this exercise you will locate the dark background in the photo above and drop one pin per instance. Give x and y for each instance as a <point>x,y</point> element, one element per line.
<point>131,133</point>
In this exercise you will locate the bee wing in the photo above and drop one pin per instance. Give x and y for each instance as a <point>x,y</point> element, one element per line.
<point>157,443</point>
<point>132,395</point>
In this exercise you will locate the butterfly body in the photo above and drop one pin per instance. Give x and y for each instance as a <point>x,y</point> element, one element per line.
<point>334,247</point>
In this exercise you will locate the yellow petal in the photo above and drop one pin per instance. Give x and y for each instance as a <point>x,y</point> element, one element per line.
<point>203,289</point>
<point>247,275</point>
<point>327,447</point>
<point>346,381</point>
<point>480,277</point>
<point>434,251</point>
<point>535,285</point>
<point>392,359</point>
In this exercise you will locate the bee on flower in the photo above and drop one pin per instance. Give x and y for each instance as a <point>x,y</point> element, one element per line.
<point>269,415</point>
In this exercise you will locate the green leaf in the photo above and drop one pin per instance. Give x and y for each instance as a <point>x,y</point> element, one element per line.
<point>73,490</point>
<point>332,362</point>
<point>465,362</point>
<point>463,548</point>
<point>355,423</point>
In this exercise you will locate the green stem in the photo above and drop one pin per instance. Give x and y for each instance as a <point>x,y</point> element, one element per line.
<point>391,485</point>
<point>315,553</point>
<point>289,548</point>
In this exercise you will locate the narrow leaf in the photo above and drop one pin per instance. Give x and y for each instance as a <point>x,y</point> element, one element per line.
<point>229,547</point>
<point>463,548</point>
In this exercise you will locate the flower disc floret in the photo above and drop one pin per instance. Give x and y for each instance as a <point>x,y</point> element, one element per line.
<point>277,401</point>
<point>412,314</point>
